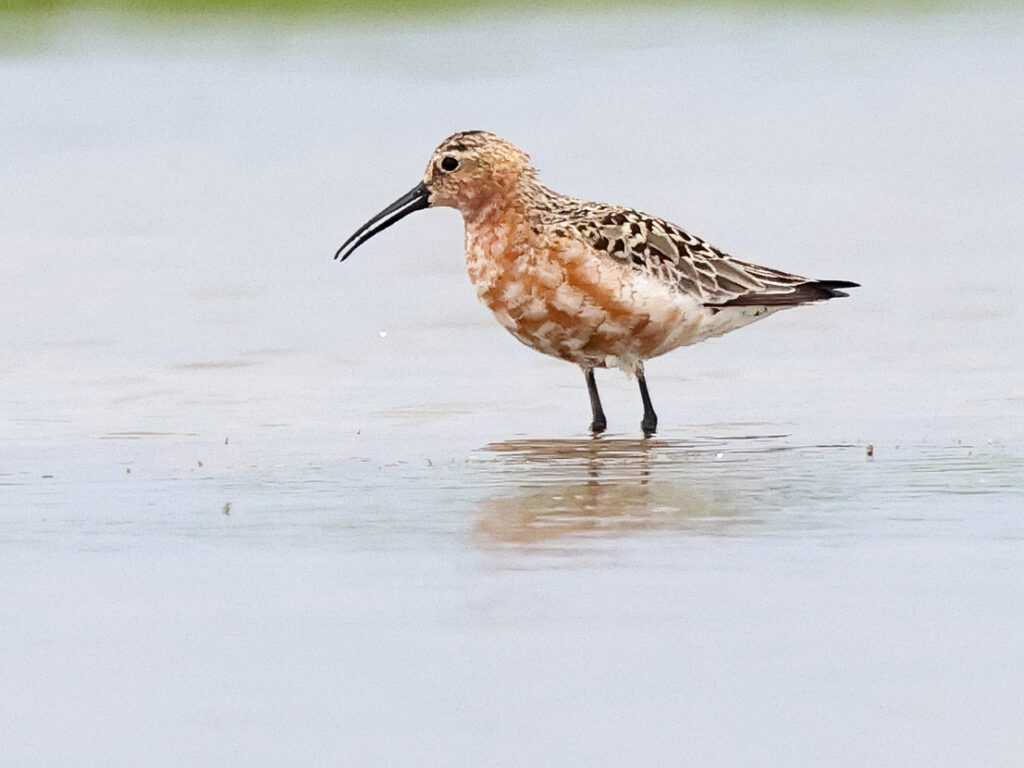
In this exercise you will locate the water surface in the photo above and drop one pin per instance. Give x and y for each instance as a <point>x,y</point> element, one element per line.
<point>262,508</point>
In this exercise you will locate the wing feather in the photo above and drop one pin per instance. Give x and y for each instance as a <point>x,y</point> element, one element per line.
<point>692,265</point>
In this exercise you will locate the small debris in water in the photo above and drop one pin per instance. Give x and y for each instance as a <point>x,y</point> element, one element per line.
<point>225,441</point>
<point>871,450</point>
<point>382,334</point>
<point>226,509</point>
<point>127,470</point>
<point>719,456</point>
<point>200,463</point>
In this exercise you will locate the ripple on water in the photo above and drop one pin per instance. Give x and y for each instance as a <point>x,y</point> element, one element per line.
<point>750,484</point>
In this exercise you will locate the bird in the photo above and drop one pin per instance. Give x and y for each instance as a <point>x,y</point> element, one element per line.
<point>593,284</point>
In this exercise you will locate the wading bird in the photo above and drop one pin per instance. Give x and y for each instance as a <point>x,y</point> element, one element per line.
<point>597,285</point>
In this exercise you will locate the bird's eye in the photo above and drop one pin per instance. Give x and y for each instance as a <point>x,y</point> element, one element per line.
<point>449,164</point>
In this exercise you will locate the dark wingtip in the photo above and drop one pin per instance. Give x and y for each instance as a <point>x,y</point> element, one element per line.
<point>832,289</point>
<point>812,290</point>
<point>833,285</point>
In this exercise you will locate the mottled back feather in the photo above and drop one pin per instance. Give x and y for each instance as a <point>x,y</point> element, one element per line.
<point>692,265</point>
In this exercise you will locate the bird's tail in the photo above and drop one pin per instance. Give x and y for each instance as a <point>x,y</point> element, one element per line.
<point>801,293</point>
<point>832,289</point>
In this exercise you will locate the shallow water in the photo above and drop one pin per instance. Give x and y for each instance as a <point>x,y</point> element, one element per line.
<point>259,507</point>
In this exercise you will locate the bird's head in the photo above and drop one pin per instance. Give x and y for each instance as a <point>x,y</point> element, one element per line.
<point>468,171</point>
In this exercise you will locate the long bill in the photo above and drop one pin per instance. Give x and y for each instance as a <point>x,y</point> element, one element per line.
<point>415,199</point>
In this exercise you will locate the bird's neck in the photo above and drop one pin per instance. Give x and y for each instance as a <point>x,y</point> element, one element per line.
<point>498,235</point>
<point>495,227</point>
<point>505,205</point>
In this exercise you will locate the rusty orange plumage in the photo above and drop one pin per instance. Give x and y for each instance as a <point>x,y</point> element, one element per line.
<point>593,284</point>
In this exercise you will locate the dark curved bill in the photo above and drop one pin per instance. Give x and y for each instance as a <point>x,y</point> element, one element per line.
<point>415,199</point>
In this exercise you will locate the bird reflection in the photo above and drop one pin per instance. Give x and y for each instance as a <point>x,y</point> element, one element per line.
<point>601,488</point>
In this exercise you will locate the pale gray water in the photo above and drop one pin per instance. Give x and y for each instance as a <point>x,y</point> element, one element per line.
<point>259,508</point>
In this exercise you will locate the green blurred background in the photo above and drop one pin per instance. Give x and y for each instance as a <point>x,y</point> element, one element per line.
<point>442,7</point>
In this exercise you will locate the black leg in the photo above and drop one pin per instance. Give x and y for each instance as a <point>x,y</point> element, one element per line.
<point>598,425</point>
<point>649,423</point>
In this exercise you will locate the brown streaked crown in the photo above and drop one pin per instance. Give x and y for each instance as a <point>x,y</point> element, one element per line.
<point>471,168</point>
